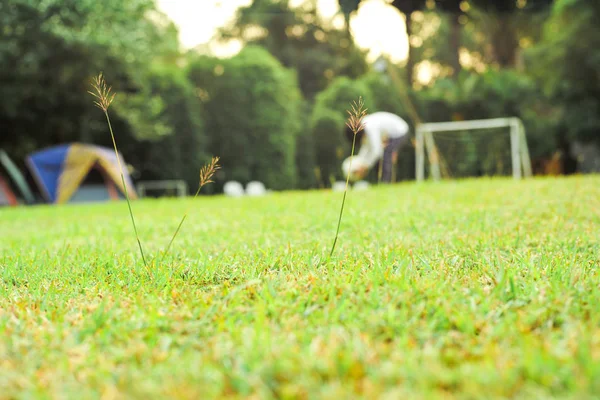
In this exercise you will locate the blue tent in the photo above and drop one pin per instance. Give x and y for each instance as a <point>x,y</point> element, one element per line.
<point>60,172</point>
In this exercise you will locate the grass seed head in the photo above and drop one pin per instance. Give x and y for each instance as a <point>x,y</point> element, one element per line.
<point>207,172</point>
<point>102,93</point>
<point>356,116</point>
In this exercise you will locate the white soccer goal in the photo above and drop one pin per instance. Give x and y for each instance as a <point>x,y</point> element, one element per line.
<point>515,144</point>
<point>174,187</point>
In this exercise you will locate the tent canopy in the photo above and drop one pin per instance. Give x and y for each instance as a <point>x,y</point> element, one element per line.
<point>7,197</point>
<point>60,171</point>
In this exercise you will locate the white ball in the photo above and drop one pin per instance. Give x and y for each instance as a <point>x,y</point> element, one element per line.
<point>233,189</point>
<point>356,162</point>
<point>255,188</point>
<point>361,185</point>
<point>338,186</point>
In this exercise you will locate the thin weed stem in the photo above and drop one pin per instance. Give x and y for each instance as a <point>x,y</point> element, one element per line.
<point>104,98</point>
<point>343,199</point>
<point>137,237</point>
<point>206,174</point>
<point>355,123</point>
<point>177,230</point>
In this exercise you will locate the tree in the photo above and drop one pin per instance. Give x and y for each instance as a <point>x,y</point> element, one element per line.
<point>502,22</point>
<point>408,8</point>
<point>252,111</point>
<point>347,7</point>
<point>454,11</point>
<point>299,39</point>
<point>306,162</point>
<point>384,95</point>
<point>181,153</point>
<point>50,50</point>
<point>473,27</point>
<point>566,63</point>
<point>327,127</point>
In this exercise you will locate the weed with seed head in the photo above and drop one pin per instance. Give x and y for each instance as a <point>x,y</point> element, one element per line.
<point>104,98</point>
<point>206,174</point>
<point>355,123</point>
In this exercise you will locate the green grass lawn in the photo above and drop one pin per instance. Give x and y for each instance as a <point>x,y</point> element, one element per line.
<point>475,289</point>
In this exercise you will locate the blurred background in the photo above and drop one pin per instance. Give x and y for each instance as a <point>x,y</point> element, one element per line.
<point>265,84</point>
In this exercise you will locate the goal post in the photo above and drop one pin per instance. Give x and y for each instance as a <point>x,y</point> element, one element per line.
<point>426,146</point>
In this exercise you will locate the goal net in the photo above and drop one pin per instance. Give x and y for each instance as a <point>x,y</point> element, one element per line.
<point>460,149</point>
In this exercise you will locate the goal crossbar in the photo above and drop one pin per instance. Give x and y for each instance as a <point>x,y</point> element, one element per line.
<point>521,163</point>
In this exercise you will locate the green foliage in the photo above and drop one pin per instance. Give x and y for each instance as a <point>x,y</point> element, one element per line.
<point>511,6</point>
<point>566,63</point>
<point>384,95</point>
<point>50,50</point>
<point>252,112</point>
<point>299,39</point>
<point>341,93</point>
<point>331,147</point>
<point>490,32</point>
<point>306,162</point>
<point>180,154</point>
<point>408,8</point>
<point>449,6</point>
<point>488,95</point>
<point>143,112</point>
<point>452,12</point>
<point>505,23</point>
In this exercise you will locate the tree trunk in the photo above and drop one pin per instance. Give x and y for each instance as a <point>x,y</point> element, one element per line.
<point>505,42</point>
<point>347,26</point>
<point>455,33</point>
<point>410,62</point>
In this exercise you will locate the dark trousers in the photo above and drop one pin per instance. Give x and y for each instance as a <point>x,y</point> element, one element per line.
<point>388,164</point>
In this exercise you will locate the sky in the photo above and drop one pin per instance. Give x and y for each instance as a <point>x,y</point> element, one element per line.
<point>377,26</point>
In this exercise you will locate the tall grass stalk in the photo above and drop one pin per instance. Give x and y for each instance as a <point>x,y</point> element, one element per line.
<point>104,98</point>
<point>355,123</point>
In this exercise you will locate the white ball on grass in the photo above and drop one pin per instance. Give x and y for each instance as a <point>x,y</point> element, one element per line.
<point>361,185</point>
<point>233,189</point>
<point>255,188</point>
<point>351,165</point>
<point>338,186</point>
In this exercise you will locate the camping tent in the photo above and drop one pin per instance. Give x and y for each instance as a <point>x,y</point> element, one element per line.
<point>7,197</point>
<point>61,171</point>
<point>8,172</point>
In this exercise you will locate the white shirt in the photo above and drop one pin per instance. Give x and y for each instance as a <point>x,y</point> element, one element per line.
<point>379,127</point>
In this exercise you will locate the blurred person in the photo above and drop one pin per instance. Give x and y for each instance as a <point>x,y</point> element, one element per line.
<point>380,140</point>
